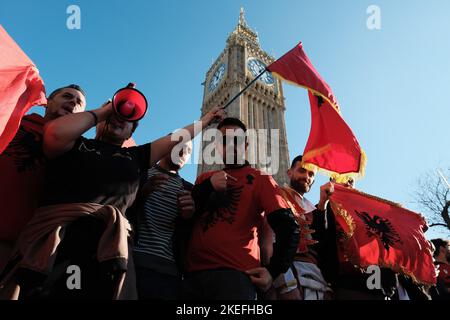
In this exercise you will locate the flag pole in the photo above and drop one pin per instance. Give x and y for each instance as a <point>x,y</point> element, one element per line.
<point>246,87</point>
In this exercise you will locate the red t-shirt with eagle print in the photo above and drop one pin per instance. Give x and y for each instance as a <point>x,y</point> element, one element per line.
<point>226,233</point>
<point>22,177</point>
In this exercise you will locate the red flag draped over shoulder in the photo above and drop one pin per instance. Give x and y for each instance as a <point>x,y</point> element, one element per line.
<point>332,146</point>
<point>21,87</point>
<point>380,232</point>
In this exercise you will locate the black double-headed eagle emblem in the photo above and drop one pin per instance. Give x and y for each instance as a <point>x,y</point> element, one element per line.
<point>222,207</point>
<point>26,151</point>
<point>381,228</point>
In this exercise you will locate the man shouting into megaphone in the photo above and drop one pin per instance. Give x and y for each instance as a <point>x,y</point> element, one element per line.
<point>95,178</point>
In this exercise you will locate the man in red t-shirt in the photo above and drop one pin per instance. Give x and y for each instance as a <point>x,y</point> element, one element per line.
<point>22,166</point>
<point>223,255</point>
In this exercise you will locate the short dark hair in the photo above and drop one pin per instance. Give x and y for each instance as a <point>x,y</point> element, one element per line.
<point>232,122</point>
<point>70,86</point>
<point>296,159</point>
<point>438,243</point>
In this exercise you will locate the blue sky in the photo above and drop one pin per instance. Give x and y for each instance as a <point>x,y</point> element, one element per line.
<point>391,83</point>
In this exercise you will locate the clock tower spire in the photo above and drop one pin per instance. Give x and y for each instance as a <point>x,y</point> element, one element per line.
<point>242,21</point>
<point>261,107</point>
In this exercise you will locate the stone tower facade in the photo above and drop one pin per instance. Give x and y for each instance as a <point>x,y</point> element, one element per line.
<point>261,107</point>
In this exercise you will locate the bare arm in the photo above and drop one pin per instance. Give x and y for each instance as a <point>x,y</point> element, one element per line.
<point>60,134</point>
<point>162,146</point>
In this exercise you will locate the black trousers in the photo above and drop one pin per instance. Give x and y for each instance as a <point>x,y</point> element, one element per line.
<point>152,285</point>
<point>218,284</point>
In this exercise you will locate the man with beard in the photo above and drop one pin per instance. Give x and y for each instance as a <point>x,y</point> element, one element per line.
<point>224,260</point>
<point>163,203</point>
<point>95,179</point>
<point>304,280</point>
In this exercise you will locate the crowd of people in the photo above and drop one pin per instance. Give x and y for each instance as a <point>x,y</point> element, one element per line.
<point>137,230</point>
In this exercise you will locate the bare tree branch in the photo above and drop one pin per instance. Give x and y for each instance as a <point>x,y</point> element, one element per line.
<point>433,196</point>
<point>438,225</point>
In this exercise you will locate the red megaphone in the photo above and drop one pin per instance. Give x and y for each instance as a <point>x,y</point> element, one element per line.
<point>129,103</point>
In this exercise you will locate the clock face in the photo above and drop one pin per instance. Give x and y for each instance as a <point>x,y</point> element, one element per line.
<point>217,76</point>
<point>256,67</point>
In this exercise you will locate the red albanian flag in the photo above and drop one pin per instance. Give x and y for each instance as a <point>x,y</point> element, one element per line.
<point>295,68</point>
<point>331,146</point>
<point>380,232</point>
<point>21,87</point>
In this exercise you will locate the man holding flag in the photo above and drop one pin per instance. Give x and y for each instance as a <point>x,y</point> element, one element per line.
<point>304,280</point>
<point>376,232</point>
<point>21,157</point>
<point>22,165</point>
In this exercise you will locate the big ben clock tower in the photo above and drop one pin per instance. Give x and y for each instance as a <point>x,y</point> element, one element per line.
<point>260,107</point>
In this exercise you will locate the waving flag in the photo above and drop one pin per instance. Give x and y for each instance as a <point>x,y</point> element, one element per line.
<point>380,232</point>
<point>295,68</point>
<point>21,87</point>
<point>332,146</point>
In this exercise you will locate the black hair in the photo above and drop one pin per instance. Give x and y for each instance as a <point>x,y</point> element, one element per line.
<point>232,122</point>
<point>438,243</point>
<point>135,125</point>
<point>296,159</point>
<point>70,86</point>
